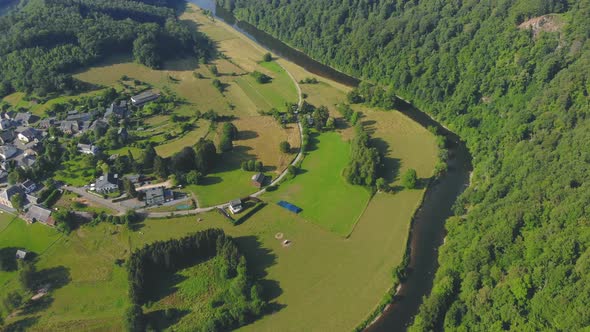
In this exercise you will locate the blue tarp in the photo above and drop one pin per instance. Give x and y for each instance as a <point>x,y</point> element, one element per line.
<point>290,207</point>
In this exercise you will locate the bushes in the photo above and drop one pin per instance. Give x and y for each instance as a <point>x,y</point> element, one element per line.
<point>229,133</point>
<point>410,179</point>
<point>252,165</point>
<point>260,77</point>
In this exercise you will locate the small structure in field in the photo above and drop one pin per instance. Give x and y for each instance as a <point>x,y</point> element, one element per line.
<point>235,206</point>
<point>258,180</point>
<point>21,254</point>
<point>289,206</point>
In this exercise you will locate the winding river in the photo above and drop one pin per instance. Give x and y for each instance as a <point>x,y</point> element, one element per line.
<point>428,226</point>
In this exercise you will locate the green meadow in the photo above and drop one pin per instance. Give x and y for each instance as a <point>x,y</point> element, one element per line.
<point>320,189</point>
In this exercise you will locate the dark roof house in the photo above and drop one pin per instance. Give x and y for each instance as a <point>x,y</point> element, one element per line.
<point>40,214</point>
<point>7,136</point>
<point>28,186</point>
<point>154,196</point>
<point>116,110</point>
<point>258,179</point>
<point>107,183</point>
<point>6,195</point>
<point>28,135</point>
<point>144,97</point>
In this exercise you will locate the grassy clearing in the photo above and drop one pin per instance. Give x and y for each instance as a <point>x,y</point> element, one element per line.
<point>75,173</point>
<point>189,139</point>
<point>321,191</point>
<point>192,290</point>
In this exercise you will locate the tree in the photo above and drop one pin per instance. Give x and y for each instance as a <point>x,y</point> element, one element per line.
<point>410,179</point>
<point>206,156</point>
<point>148,157</point>
<point>26,274</point>
<point>134,320</point>
<point>213,69</point>
<point>225,144</point>
<point>184,160</point>
<point>17,200</point>
<point>285,147</point>
<point>260,77</point>
<point>129,188</point>
<point>230,130</point>
<point>381,184</point>
<point>267,57</point>
<point>160,168</point>
<point>193,177</point>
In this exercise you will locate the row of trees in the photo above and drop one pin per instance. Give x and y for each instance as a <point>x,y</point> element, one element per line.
<point>364,160</point>
<point>516,255</point>
<point>148,265</point>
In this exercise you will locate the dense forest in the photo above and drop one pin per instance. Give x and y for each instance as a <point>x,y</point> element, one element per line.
<point>41,44</point>
<point>515,86</point>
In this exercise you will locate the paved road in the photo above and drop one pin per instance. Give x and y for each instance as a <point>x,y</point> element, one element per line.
<point>96,199</point>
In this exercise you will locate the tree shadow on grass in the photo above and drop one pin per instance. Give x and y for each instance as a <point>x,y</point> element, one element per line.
<point>21,325</point>
<point>166,285</point>
<point>161,320</point>
<point>259,260</point>
<point>247,134</point>
<point>389,168</point>
<point>8,258</point>
<point>313,141</point>
<point>210,180</point>
<point>55,277</point>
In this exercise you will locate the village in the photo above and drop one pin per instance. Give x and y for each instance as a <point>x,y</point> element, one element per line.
<point>22,137</point>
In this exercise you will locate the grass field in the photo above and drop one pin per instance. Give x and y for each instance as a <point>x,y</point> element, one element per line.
<point>259,139</point>
<point>321,191</point>
<point>322,282</point>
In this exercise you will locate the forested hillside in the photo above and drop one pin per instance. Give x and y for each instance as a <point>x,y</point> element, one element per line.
<point>43,43</point>
<point>517,254</point>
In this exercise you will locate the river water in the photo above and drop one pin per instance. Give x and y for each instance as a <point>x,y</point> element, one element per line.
<point>428,226</point>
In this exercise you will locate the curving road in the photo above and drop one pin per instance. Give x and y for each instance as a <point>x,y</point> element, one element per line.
<point>256,194</point>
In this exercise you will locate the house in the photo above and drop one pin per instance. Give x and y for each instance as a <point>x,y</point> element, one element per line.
<point>28,135</point>
<point>21,254</point>
<point>80,117</point>
<point>7,194</point>
<point>8,151</point>
<point>69,127</point>
<point>28,186</point>
<point>40,214</point>
<point>118,111</point>
<point>25,161</point>
<point>258,180</point>
<point>154,196</point>
<point>235,206</point>
<point>87,149</point>
<point>23,119</point>
<point>107,183</point>
<point>144,97</point>
<point>134,178</point>
<point>46,123</point>
<point>5,124</point>
<point>7,136</point>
